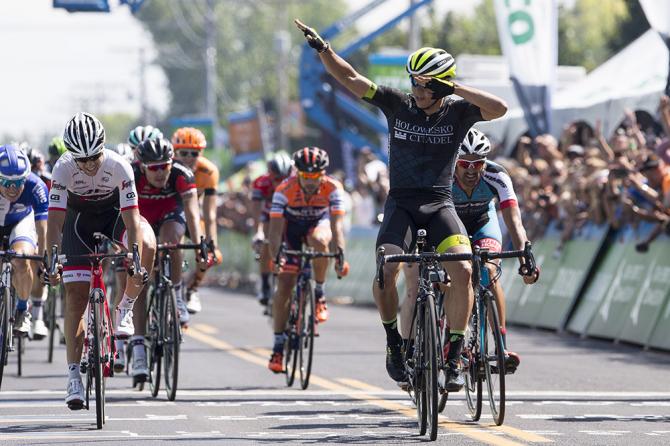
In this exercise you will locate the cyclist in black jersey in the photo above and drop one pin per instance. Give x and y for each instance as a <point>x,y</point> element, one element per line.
<point>426,128</point>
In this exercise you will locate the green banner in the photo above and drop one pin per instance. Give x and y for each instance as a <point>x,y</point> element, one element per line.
<point>575,262</point>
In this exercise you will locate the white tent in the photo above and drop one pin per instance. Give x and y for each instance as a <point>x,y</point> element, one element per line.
<point>634,78</point>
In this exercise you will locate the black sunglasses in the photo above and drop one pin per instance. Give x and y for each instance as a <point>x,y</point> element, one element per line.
<point>89,158</point>
<point>192,153</point>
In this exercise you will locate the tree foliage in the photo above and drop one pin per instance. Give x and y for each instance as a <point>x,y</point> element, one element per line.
<point>247,57</point>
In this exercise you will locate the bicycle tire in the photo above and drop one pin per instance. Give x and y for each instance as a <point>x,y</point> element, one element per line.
<point>4,333</point>
<point>95,365</point>
<point>51,321</point>
<point>307,334</point>
<point>443,327</point>
<point>419,384</point>
<point>290,347</point>
<point>171,345</point>
<point>472,368</point>
<point>20,349</point>
<point>155,350</point>
<point>495,377</point>
<point>430,348</point>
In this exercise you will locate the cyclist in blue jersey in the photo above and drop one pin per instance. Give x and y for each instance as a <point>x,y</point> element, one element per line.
<point>426,128</point>
<point>24,205</point>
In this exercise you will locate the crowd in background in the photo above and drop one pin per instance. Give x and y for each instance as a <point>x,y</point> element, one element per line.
<point>584,176</point>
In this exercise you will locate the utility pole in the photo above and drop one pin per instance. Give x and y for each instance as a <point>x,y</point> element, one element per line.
<point>144,107</point>
<point>210,70</point>
<point>414,38</point>
<point>282,47</point>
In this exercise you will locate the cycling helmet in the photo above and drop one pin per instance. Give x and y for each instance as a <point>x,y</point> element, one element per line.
<point>280,165</point>
<point>84,135</point>
<point>57,147</point>
<point>189,138</point>
<point>34,155</point>
<point>432,62</point>
<point>140,133</point>
<point>156,150</point>
<point>310,159</point>
<point>475,143</point>
<point>14,163</point>
<point>125,151</point>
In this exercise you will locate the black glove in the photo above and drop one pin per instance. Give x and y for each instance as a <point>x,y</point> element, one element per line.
<point>440,87</point>
<point>313,38</point>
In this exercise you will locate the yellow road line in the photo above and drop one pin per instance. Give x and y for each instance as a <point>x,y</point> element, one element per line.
<point>206,328</point>
<point>521,434</point>
<point>345,385</point>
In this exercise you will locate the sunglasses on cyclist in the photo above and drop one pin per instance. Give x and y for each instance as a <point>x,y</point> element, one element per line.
<point>87,159</point>
<point>158,166</point>
<point>185,152</point>
<point>17,183</point>
<point>477,164</point>
<point>310,175</point>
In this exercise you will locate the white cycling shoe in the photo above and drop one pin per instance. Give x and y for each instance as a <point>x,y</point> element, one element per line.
<point>75,394</point>
<point>40,330</point>
<point>194,305</point>
<point>124,323</point>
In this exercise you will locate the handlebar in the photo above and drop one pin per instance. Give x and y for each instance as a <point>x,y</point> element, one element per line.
<point>338,256</point>
<point>203,248</point>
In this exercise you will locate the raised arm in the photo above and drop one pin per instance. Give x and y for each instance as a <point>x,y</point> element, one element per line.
<point>337,67</point>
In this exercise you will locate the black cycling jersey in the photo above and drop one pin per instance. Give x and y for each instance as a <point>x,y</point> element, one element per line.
<point>423,148</point>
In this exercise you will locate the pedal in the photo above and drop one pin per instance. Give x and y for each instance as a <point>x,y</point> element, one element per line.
<point>139,380</point>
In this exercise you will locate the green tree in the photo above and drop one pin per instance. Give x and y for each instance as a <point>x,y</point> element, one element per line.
<point>246,51</point>
<point>117,126</point>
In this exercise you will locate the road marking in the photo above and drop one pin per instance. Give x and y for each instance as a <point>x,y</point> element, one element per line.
<point>206,328</point>
<point>476,433</point>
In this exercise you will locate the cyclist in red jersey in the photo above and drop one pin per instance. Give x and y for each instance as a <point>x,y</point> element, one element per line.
<point>262,189</point>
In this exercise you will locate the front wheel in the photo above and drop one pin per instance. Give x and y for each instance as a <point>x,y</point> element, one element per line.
<point>50,312</point>
<point>306,333</point>
<point>4,332</point>
<point>95,364</point>
<point>419,378</point>
<point>472,368</point>
<point>155,340</point>
<point>291,345</point>
<point>171,344</point>
<point>494,365</point>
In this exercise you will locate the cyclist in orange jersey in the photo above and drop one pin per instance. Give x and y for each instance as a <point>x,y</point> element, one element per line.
<point>189,143</point>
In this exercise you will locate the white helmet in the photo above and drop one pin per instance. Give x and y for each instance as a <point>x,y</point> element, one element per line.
<point>84,135</point>
<point>125,151</point>
<point>475,143</point>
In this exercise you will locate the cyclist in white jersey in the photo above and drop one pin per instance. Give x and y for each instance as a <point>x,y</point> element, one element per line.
<point>93,190</point>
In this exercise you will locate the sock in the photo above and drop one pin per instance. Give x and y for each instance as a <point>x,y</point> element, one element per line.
<point>127,302</point>
<point>21,305</point>
<point>319,290</point>
<point>179,290</point>
<point>455,345</point>
<point>73,370</point>
<point>265,282</point>
<point>137,342</point>
<point>392,334</point>
<point>279,339</point>
<point>37,309</point>
<point>120,347</point>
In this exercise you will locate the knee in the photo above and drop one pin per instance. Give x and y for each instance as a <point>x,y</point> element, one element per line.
<point>391,272</point>
<point>21,266</point>
<point>462,272</point>
<point>319,243</point>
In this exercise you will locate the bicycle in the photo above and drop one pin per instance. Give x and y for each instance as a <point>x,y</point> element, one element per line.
<point>53,311</point>
<point>163,328</point>
<point>97,361</point>
<point>424,362</point>
<point>7,305</point>
<point>302,318</point>
<point>483,347</point>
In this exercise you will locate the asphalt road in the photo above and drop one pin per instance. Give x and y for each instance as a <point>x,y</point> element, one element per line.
<point>567,391</point>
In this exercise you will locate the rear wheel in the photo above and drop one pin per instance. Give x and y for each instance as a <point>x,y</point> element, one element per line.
<point>495,363</point>
<point>171,345</point>
<point>306,334</point>
<point>4,332</point>
<point>472,369</point>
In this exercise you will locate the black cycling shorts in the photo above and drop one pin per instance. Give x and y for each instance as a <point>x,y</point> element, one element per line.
<point>177,215</point>
<point>78,231</point>
<point>403,216</point>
